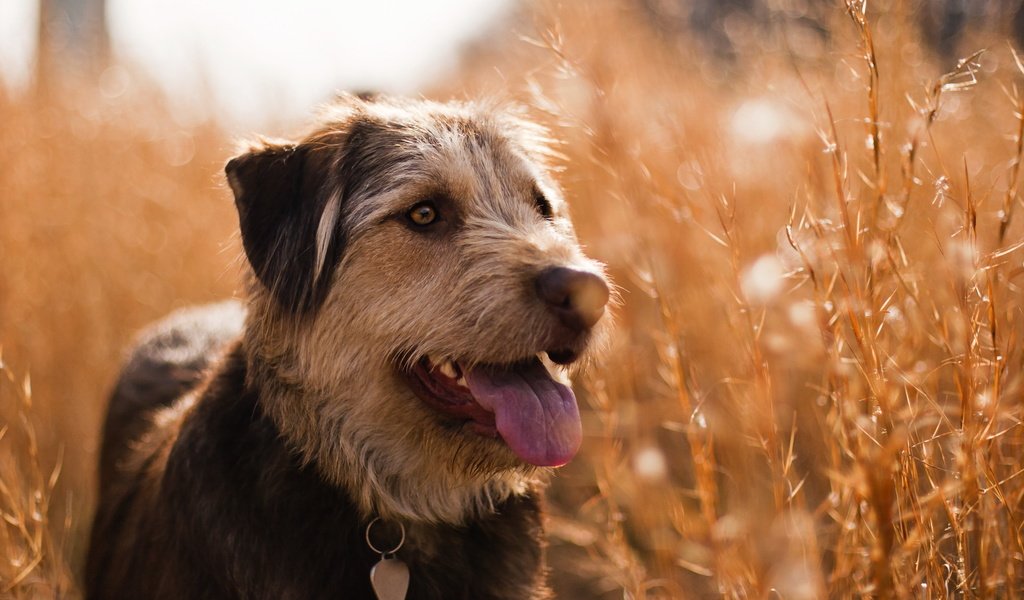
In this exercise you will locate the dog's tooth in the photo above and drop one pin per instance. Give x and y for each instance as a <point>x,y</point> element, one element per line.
<point>447,368</point>
<point>462,381</point>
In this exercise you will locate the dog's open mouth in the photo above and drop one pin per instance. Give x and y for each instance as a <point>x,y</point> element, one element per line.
<point>521,402</point>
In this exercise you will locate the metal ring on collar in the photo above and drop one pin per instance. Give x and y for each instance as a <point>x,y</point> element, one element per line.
<point>377,550</point>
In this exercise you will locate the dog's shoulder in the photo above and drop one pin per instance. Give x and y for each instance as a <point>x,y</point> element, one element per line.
<point>167,360</point>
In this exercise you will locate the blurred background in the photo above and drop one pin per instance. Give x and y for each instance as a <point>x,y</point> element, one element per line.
<point>815,384</point>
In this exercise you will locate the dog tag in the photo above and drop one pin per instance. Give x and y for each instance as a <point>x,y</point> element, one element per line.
<point>390,579</point>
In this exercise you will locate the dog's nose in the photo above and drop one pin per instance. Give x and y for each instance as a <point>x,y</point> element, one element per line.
<point>576,297</point>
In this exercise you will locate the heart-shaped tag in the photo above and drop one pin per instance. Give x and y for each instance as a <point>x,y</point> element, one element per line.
<point>390,579</point>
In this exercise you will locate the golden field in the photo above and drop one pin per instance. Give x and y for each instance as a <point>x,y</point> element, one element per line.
<point>815,387</point>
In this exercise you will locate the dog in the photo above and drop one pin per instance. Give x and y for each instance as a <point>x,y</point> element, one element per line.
<point>380,417</point>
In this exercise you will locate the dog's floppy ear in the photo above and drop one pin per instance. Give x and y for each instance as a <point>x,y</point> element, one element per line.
<point>281,192</point>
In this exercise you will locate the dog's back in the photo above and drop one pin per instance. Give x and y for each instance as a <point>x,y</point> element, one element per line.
<point>169,359</point>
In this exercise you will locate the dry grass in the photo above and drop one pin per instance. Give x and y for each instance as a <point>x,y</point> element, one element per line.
<point>112,214</point>
<point>816,385</point>
<point>34,561</point>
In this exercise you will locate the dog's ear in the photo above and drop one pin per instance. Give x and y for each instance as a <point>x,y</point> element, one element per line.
<point>282,192</point>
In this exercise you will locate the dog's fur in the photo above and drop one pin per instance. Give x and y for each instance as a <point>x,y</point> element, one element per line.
<point>246,449</point>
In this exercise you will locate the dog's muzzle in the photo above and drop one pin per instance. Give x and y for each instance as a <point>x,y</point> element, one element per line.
<point>520,401</point>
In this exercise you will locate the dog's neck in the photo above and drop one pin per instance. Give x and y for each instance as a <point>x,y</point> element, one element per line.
<point>385,477</point>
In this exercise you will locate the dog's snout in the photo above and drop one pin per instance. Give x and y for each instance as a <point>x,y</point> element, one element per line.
<point>578,298</point>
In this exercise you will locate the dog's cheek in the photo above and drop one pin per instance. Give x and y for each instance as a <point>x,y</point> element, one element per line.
<point>398,285</point>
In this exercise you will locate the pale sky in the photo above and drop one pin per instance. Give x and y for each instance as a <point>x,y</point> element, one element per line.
<point>260,58</point>
<point>17,39</point>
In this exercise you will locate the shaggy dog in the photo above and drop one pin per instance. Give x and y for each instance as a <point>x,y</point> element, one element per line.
<point>394,389</point>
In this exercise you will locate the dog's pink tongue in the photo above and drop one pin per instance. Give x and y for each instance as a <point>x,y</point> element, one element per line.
<point>535,415</point>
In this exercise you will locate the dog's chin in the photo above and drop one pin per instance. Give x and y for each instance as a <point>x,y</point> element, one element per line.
<point>512,415</point>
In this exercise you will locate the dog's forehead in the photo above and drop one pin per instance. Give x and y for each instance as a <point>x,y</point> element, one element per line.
<point>392,155</point>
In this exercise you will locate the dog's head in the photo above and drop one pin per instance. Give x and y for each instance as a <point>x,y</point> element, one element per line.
<point>418,295</point>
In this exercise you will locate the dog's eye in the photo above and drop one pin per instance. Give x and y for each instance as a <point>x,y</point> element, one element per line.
<point>423,214</point>
<point>543,205</point>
